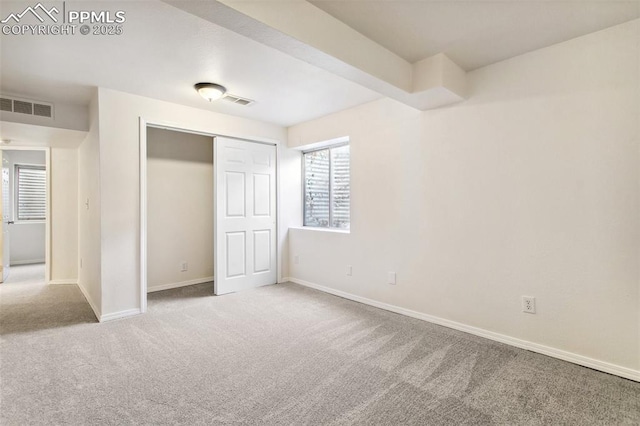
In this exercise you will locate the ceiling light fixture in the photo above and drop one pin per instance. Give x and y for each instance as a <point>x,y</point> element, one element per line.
<point>210,91</point>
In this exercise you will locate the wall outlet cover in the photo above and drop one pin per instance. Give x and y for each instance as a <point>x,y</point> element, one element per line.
<point>529,304</point>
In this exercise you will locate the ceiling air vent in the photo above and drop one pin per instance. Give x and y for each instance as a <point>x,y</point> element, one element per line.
<point>24,106</point>
<point>238,100</point>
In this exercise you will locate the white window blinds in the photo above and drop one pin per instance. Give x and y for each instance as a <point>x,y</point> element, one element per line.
<point>31,192</point>
<point>327,193</point>
<point>340,187</point>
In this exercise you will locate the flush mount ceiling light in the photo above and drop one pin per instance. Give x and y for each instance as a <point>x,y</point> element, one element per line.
<point>210,91</point>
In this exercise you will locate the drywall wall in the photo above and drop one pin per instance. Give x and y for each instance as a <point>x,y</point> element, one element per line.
<point>27,243</point>
<point>88,205</point>
<point>120,115</point>
<point>528,188</point>
<point>64,215</point>
<point>290,205</point>
<point>179,208</point>
<point>27,239</point>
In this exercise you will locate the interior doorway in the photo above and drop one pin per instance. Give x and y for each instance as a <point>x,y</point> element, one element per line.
<point>25,201</point>
<point>243,217</point>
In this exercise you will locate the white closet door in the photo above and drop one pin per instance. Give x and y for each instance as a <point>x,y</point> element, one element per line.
<point>245,222</point>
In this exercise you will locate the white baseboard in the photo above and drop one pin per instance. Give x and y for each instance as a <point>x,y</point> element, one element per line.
<point>85,293</point>
<point>606,367</point>
<point>98,313</point>
<point>179,284</point>
<point>25,262</point>
<point>121,314</point>
<point>64,281</point>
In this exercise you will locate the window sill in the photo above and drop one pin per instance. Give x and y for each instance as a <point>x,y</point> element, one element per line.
<point>28,222</point>
<point>318,229</point>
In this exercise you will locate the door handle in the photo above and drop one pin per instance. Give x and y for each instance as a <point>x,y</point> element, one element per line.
<point>10,222</point>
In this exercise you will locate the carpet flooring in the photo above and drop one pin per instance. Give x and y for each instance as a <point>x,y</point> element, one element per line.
<point>26,274</point>
<point>278,355</point>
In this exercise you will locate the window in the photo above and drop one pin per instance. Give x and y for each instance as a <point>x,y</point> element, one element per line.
<point>31,193</point>
<point>327,194</point>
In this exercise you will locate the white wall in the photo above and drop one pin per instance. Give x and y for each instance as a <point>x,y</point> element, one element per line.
<point>179,208</point>
<point>120,181</point>
<point>529,188</point>
<point>27,243</point>
<point>27,239</point>
<point>290,208</point>
<point>64,215</point>
<point>89,237</point>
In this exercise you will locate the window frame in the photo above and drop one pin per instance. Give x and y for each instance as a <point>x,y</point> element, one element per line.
<point>304,187</point>
<point>16,194</point>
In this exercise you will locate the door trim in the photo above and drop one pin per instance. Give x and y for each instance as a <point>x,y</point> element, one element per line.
<point>143,124</point>
<point>47,226</point>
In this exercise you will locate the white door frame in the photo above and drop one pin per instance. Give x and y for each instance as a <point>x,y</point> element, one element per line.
<point>47,221</point>
<point>143,124</point>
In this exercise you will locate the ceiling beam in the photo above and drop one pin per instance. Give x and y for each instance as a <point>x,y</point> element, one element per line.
<point>301,30</point>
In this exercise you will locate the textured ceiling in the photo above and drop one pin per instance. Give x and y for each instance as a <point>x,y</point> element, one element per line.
<point>162,53</point>
<point>476,33</point>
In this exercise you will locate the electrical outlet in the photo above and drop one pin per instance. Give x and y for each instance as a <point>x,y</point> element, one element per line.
<point>529,304</point>
<point>296,259</point>
<point>349,270</point>
<point>80,263</point>
<point>391,278</point>
<point>184,266</point>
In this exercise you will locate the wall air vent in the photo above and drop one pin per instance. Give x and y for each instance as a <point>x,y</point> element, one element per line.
<point>24,106</point>
<point>238,100</point>
<point>6,104</point>
<point>42,110</point>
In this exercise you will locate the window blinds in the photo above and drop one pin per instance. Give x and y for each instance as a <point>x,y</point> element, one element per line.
<point>31,193</point>
<point>340,187</point>
<point>316,183</point>
<point>327,194</point>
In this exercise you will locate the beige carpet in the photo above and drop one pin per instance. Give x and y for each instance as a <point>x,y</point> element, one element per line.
<point>279,355</point>
<point>26,274</point>
<point>27,304</point>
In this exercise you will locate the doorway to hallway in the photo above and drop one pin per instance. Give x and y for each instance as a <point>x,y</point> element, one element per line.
<point>25,211</point>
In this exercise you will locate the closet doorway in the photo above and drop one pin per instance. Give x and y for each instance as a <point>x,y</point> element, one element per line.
<point>208,211</point>
<point>179,209</point>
